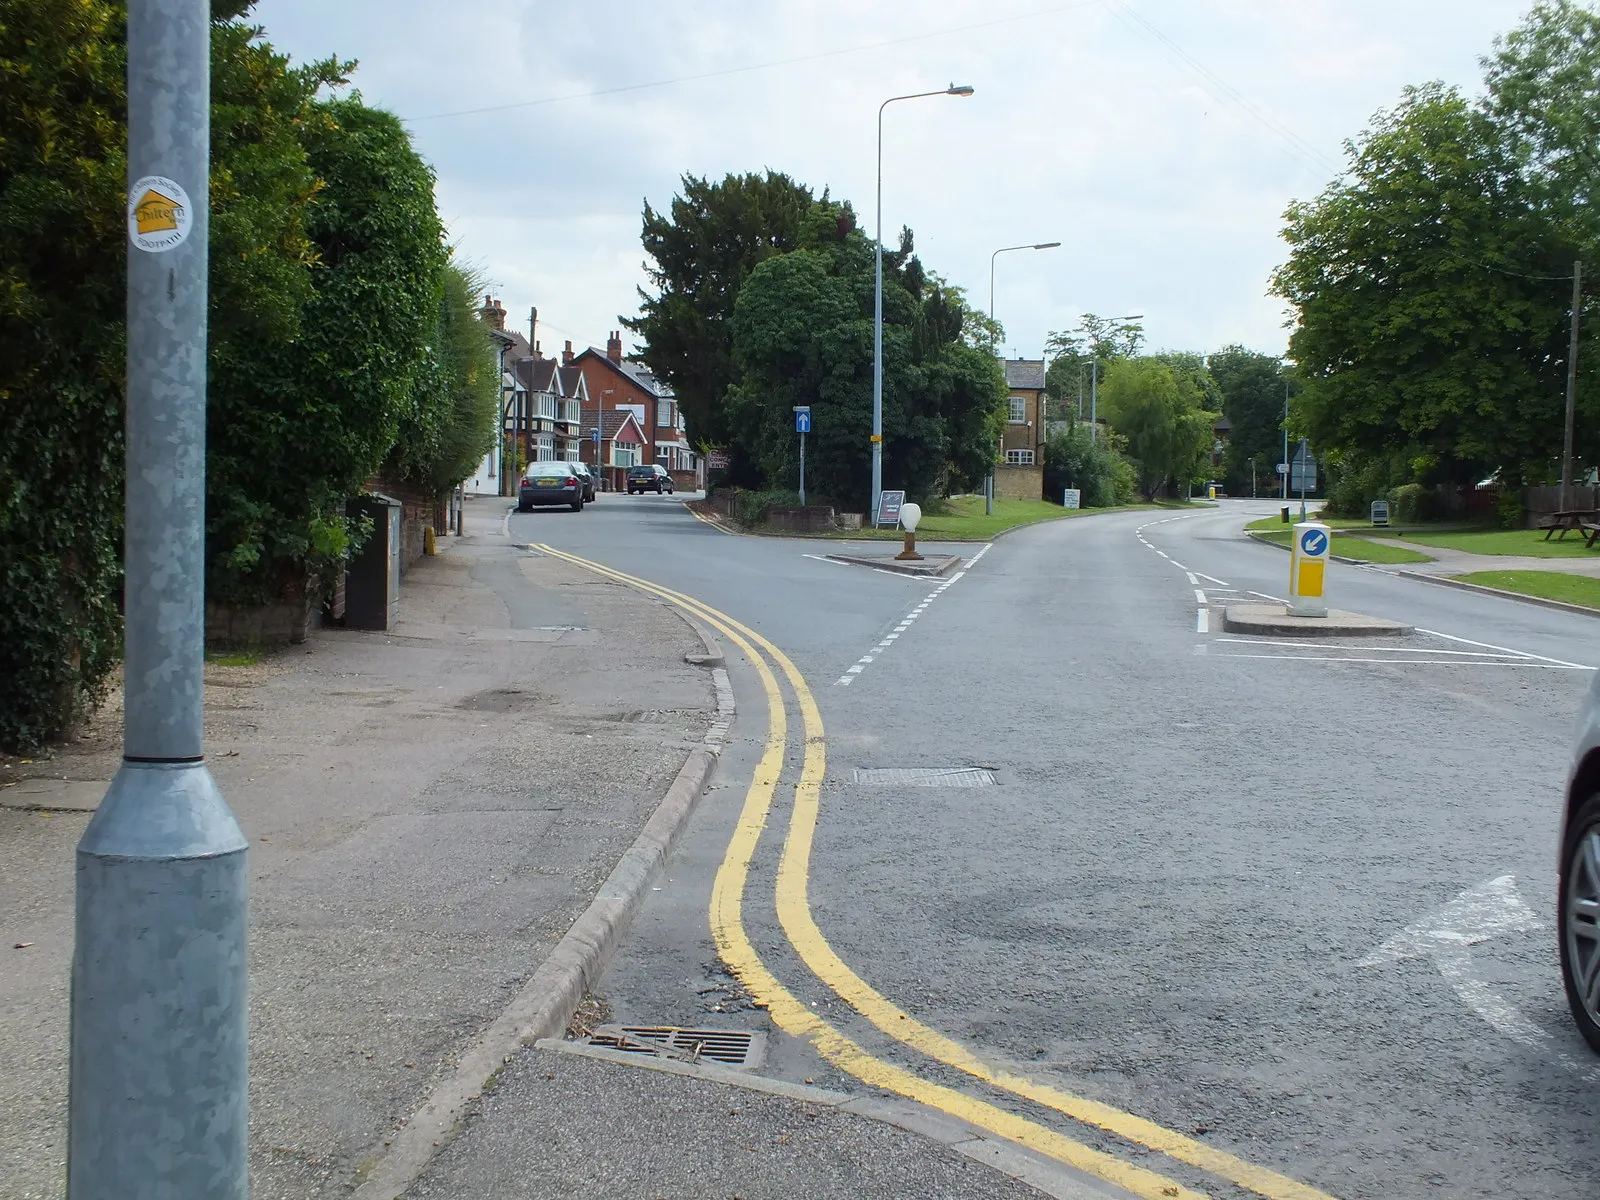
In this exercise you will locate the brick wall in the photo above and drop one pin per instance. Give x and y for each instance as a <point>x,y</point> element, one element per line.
<point>1019,483</point>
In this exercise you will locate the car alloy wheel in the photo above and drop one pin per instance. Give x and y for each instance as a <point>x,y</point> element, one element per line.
<point>1580,919</point>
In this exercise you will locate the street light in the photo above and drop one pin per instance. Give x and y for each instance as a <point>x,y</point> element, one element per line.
<point>988,484</point>
<point>877,301</point>
<point>1094,381</point>
<point>1003,250</point>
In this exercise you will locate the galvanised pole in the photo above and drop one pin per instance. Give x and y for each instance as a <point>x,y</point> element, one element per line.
<point>157,1098</point>
<point>1572,387</point>
<point>877,303</point>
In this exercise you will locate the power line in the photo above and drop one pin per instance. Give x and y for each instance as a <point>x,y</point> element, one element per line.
<point>779,62</point>
<point>1298,145</point>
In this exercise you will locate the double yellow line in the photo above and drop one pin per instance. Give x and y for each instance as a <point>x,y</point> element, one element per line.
<point>794,914</point>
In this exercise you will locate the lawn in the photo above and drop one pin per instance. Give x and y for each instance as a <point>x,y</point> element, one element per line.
<point>1549,585</point>
<point>962,519</point>
<point>1353,547</point>
<point>1527,542</point>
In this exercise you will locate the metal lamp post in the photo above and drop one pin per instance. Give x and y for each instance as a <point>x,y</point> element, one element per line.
<point>877,300</point>
<point>1094,383</point>
<point>988,489</point>
<point>157,1105</point>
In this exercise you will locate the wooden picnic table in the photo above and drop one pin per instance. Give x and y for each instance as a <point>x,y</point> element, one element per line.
<point>1585,522</point>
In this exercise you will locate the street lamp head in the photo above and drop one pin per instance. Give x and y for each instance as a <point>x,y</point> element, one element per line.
<point>1047,245</point>
<point>964,90</point>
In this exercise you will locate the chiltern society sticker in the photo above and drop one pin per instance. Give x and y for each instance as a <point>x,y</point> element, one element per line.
<point>159,216</point>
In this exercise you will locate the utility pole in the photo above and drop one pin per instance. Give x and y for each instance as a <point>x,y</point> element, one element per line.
<point>157,1101</point>
<point>1285,439</point>
<point>1572,386</point>
<point>1094,397</point>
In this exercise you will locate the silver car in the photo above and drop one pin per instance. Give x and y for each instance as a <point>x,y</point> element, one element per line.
<point>1578,902</point>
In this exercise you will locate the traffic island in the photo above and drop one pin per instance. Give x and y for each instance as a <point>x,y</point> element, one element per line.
<point>928,564</point>
<point>1277,621</point>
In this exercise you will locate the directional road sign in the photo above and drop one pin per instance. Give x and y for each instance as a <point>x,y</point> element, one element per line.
<point>1313,542</point>
<point>802,420</point>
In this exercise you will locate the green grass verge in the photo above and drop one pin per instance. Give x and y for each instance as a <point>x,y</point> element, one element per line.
<point>1527,543</point>
<point>1356,547</point>
<point>1549,585</point>
<point>962,519</point>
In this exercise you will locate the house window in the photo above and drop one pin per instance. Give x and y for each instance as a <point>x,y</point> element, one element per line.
<point>1019,458</point>
<point>622,454</point>
<point>1019,410</point>
<point>546,408</point>
<point>545,448</point>
<point>664,419</point>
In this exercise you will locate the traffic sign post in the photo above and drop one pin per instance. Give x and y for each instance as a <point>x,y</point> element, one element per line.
<point>802,425</point>
<point>1303,474</point>
<point>1308,563</point>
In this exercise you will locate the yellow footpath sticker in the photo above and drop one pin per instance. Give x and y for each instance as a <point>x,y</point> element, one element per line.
<point>159,214</point>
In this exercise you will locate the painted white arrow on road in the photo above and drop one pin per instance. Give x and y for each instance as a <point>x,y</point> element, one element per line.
<point>1447,937</point>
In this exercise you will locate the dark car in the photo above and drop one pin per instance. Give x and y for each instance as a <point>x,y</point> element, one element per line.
<point>588,480</point>
<point>550,483</point>
<point>649,477</point>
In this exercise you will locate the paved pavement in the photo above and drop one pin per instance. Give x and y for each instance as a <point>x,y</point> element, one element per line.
<point>1173,929</point>
<point>428,811</point>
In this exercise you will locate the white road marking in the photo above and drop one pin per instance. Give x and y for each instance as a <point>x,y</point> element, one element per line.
<point>1202,622</point>
<point>1490,646</point>
<point>1199,596</point>
<point>889,639</point>
<point>1193,582</point>
<point>1274,599</point>
<point>1211,579</point>
<point>1447,936</point>
<point>1413,662</point>
<point>1386,649</point>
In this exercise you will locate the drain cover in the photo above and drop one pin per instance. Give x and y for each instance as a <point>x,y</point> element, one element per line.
<point>928,776</point>
<point>730,1047</point>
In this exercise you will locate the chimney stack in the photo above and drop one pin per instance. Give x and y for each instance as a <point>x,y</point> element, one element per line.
<point>493,313</point>
<point>533,329</point>
<point>566,355</point>
<point>614,346</point>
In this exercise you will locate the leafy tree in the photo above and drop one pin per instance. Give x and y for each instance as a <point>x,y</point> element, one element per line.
<point>802,334</point>
<point>1431,313</point>
<point>307,421</point>
<point>703,249</point>
<point>62,181</point>
<point>1253,391</point>
<point>455,393</point>
<point>1160,410</point>
<point>1073,352</point>
<point>1093,465</point>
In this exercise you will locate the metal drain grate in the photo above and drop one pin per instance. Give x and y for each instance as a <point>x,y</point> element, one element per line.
<point>730,1047</point>
<point>927,776</point>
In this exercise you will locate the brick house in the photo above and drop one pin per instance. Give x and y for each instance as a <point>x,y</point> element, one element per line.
<point>622,445</point>
<point>1019,473</point>
<point>618,384</point>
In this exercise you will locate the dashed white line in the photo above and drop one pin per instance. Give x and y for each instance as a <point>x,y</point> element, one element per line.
<point>1211,579</point>
<point>1560,662</point>
<point>866,660</point>
<point>1199,596</point>
<point>1202,622</point>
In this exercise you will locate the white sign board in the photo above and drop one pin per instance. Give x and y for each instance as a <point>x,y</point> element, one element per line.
<point>1070,498</point>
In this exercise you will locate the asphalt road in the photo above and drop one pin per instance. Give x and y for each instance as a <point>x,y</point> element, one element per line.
<point>1289,902</point>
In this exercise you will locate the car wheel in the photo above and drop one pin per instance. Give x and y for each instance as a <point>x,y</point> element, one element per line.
<point>1578,918</point>
<point>524,507</point>
<point>658,489</point>
<point>577,505</point>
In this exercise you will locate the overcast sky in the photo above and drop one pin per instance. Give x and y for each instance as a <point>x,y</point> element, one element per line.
<point>1158,140</point>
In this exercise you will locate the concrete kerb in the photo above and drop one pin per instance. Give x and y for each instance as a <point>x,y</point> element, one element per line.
<point>1027,1166</point>
<point>545,1004</point>
<point>1542,601</point>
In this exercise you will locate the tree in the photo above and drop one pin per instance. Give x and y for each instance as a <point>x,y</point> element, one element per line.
<point>1160,411</point>
<point>1073,352</point>
<point>1253,390</point>
<point>703,249</point>
<point>1431,316</point>
<point>456,392</point>
<point>306,421</point>
<point>1093,465</point>
<point>802,334</point>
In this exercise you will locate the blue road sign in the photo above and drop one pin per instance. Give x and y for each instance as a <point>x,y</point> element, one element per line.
<point>595,433</point>
<point>1313,541</point>
<point>802,420</point>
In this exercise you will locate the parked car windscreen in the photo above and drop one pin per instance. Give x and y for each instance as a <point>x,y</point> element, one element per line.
<point>641,472</point>
<point>544,470</point>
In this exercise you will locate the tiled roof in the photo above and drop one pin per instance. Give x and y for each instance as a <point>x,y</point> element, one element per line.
<point>611,422</point>
<point>1025,373</point>
<point>569,379</point>
<point>543,372</point>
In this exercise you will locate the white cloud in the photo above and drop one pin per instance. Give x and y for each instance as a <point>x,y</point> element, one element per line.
<point>1165,181</point>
